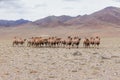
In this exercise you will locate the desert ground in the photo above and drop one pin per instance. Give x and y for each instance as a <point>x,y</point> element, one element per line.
<point>27,63</point>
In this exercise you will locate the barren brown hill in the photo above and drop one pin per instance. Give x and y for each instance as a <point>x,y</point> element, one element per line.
<point>109,16</point>
<point>52,21</point>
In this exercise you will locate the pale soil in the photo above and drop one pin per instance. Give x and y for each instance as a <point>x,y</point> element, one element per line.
<point>24,63</point>
<point>33,31</point>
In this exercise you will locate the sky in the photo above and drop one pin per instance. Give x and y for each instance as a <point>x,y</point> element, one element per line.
<point>37,9</point>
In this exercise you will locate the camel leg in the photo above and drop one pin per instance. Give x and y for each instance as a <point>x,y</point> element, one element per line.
<point>77,46</point>
<point>69,46</point>
<point>98,46</point>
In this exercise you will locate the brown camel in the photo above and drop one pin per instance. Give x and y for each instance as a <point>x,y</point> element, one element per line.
<point>92,41</point>
<point>86,43</point>
<point>76,42</point>
<point>97,41</point>
<point>68,42</point>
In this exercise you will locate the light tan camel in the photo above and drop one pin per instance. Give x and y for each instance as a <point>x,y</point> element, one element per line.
<point>18,41</point>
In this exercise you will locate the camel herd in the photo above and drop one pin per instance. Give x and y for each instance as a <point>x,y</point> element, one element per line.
<point>55,42</point>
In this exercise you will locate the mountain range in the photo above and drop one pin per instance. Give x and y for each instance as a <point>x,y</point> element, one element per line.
<point>107,16</point>
<point>9,23</point>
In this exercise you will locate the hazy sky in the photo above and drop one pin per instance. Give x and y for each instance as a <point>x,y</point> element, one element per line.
<point>36,9</point>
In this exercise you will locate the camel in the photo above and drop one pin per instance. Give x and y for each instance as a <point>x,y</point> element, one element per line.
<point>19,41</point>
<point>44,42</point>
<point>30,42</point>
<point>15,41</point>
<point>38,42</point>
<point>50,41</point>
<point>34,42</point>
<point>68,42</point>
<point>97,41</point>
<point>92,41</point>
<point>76,41</point>
<point>86,43</point>
<point>62,43</point>
<point>57,42</point>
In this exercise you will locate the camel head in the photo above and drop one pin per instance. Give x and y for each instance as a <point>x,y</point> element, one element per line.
<point>69,36</point>
<point>75,37</point>
<point>97,37</point>
<point>79,39</point>
<point>25,39</point>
